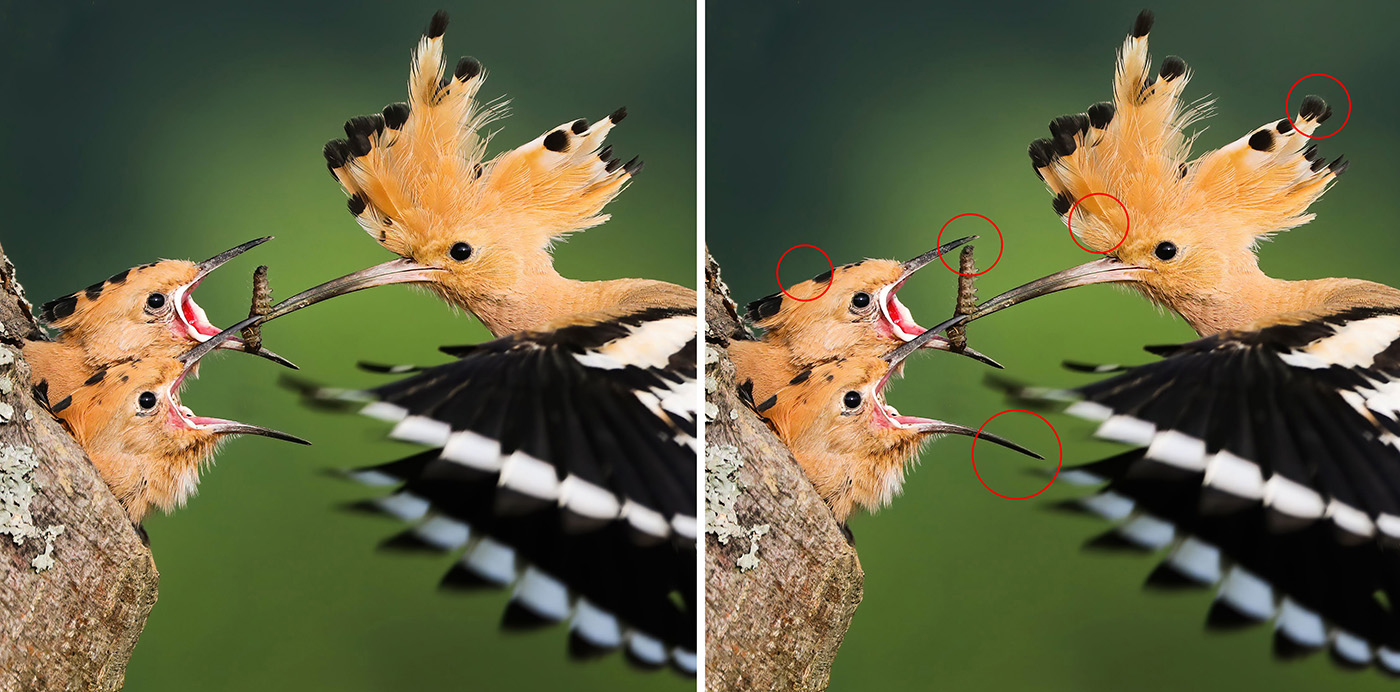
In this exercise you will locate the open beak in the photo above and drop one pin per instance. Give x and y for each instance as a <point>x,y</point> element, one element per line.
<point>929,426</point>
<point>182,415</point>
<point>396,271</point>
<point>898,318</point>
<point>1106,270</point>
<point>190,316</point>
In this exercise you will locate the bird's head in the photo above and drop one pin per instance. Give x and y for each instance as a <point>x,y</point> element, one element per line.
<point>478,232</point>
<point>1181,230</point>
<point>147,311</point>
<point>147,445</point>
<point>849,440</point>
<point>850,311</point>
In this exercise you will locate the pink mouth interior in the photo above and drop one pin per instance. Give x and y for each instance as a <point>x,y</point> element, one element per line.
<point>888,416</point>
<point>901,316</point>
<point>192,315</point>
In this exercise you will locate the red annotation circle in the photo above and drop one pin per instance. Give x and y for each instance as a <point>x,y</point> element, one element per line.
<point>1127,222</point>
<point>1288,113</point>
<point>1000,240</point>
<point>1057,442</point>
<point>778,270</point>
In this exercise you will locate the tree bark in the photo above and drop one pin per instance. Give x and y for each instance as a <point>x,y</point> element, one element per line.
<point>75,593</point>
<point>782,582</point>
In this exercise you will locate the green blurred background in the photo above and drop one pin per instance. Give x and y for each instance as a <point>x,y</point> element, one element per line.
<point>135,131</point>
<point>862,128</point>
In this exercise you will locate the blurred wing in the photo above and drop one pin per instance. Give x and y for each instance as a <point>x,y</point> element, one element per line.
<point>566,458</point>
<point>1318,591</point>
<point>613,592</point>
<point>1271,462</point>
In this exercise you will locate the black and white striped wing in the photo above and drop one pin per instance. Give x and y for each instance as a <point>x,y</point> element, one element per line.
<point>1270,461</point>
<point>613,592</point>
<point>564,464</point>
<point>598,417</point>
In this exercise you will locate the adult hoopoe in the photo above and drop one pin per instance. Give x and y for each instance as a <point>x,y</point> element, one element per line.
<point>143,312</point>
<point>1267,451</point>
<point>146,445</point>
<point>853,313</point>
<point>852,445</point>
<point>564,453</point>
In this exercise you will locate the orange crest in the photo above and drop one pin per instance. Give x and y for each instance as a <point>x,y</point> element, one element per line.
<point>420,184</point>
<point>1137,150</point>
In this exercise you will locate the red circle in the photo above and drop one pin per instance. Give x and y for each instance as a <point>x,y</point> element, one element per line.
<point>780,278</point>
<point>1052,478</point>
<point>939,242</point>
<point>1288,114</point>
<point>1069,221</point>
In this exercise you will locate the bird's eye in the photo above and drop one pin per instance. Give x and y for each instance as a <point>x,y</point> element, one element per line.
<point>860,300</point>
<point>852,399</point>
<point>461,251</point>
<point>155,301</point>
<point>1166,250</point>
<point>147,400</point>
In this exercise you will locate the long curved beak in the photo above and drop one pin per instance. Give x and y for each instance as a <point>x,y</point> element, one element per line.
<point>396,271</point>
<point>209,265</point>
<point>233,427</point>
<point>221,426</point>
<point>927,258</point>
<point>1106,270</point>
<point>938,427</point>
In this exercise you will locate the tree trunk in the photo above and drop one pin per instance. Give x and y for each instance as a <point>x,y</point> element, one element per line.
<point>76,580</point>
<point>782,583</point>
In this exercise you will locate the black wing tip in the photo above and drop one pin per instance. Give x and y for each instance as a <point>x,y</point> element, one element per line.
<point>1286,649</point>
<point>459,578</point>
<point>580,649</point>
<point>1114,542</point>
<point>1224,616</point>
<point>520,618</point>
<point>409,542</point>
<point>1166,578</point>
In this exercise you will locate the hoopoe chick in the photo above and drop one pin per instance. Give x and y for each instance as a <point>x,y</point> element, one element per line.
<point>852,445</point>
<point>144,312</point>
<point>146,445</point>
<point>854,313</point>
<point>1267,453</point>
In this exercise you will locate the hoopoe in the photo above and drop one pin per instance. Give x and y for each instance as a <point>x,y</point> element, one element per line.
<point>146,445</point>
<point>583,411</point>
<point>852,445</point>
<point>853,313</point>
<point>144,312</point>
<point>1267,450</point>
